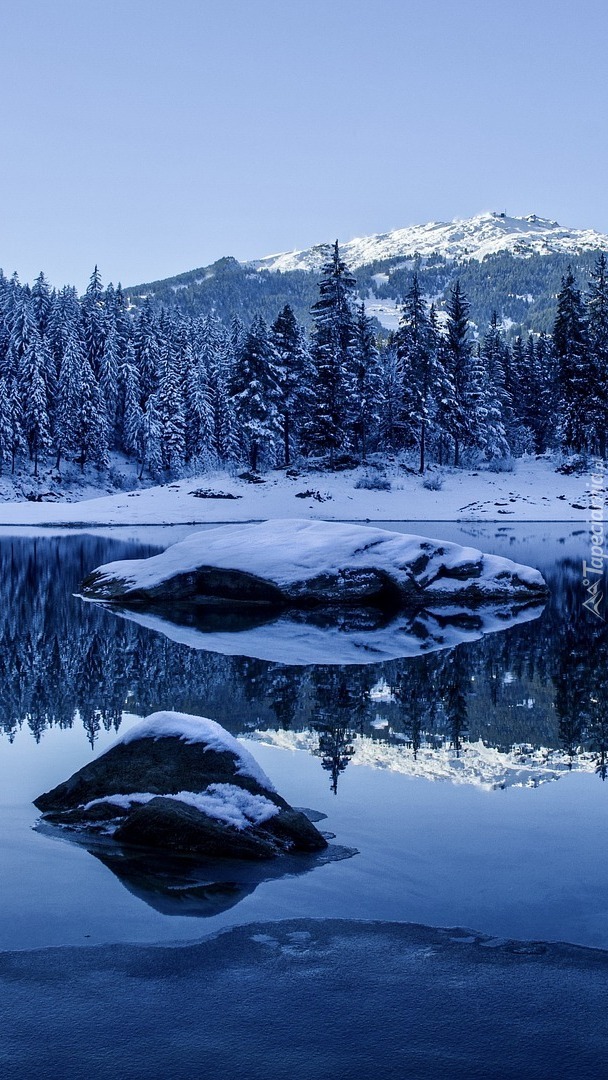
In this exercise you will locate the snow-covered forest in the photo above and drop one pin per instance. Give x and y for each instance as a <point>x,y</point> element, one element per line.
<point>84,377</point>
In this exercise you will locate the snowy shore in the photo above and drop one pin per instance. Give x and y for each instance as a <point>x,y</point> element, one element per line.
<point>534,491</point>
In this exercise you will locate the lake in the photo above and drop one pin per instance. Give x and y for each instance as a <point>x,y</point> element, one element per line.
<point>464,784</point>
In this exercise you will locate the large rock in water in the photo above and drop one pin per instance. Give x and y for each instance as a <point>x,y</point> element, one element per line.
<point>181,783</point>
<point>313,563</point>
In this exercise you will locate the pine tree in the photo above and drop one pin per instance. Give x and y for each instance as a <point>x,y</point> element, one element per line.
<point>92,430</point>
<point>597,321</point>
<point>150,434</point>
<point>6,423</point>
<point>131,411</point>
<point>332,356</point>
<point>34,397</point>
<point>364,384</point>
<point>69,398</point>
<point>108,377</point>
<point>294,378</point>
<point>199,410</point>
<point>419,355</point>
<point>169,406</point>
<point>147,351</point>
<point>571,345</point>
<point>458,358</point>
<point>391,417</point>
<point>41,303</point>
<point>94,322</point>
<point>254,389</point>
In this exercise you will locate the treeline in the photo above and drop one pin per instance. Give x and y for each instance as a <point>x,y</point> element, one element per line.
<point>82,377</point>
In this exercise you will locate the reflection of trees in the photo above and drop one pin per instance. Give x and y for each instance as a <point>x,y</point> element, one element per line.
<point>62,660</point>
<point>337,714</point>
<point>581,682</point>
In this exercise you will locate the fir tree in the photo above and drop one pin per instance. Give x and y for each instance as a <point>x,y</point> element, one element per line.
<point>332,356</point>
<point>458,357</point>
<point>364,384</point>
<point>94,322</point>
<point>293,378</point>
<point>575,374</point>
<point>254,389</point>
<point>69,398</point>
<point>597,320</point>
<point>169,407</point>
<point>418,351</point>
<point>34,397</point>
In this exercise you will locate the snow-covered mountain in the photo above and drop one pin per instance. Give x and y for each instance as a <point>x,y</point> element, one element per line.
<point>473,238</point>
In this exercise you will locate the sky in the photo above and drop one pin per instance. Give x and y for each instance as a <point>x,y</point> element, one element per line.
<point>155,136</point>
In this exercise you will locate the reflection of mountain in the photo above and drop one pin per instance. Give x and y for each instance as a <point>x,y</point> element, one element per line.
<point>542,682</point>
<point>472,763</point>
<point>337,637</point>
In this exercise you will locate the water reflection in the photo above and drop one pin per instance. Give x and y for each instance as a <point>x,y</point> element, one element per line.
<point>538,684</point>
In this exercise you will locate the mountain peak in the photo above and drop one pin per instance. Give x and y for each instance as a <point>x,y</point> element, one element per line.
<point>487,233</point>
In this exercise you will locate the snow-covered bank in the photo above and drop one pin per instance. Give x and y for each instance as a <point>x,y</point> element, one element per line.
<point>533,492</point>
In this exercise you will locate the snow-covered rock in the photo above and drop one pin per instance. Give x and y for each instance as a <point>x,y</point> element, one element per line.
<point>302,563</point>
<point>181,783</point>
<point>473,238</point>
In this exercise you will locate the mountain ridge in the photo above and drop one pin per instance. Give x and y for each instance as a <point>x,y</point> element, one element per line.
<point>488,233</point>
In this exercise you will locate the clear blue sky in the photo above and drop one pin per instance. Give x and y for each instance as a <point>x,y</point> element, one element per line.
<point>154,136</point>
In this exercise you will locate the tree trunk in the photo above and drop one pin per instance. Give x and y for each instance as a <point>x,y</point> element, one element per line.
<point>286,439</point>
<point>456,452</point>
<point>422,445</point>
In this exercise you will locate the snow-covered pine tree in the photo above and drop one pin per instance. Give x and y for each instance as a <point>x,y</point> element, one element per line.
<point>597,322</point>
<point>151,454</point>
<point>108,378</point>
<point>34,403</point>
<point>364,383</point>
<point>332,356</point>
<point>220,364</point>
<point>199,410</point>
<point>458,361</point>
<point>294,378</point>
<point>147,351</point>
<point>93,314</point>
<point>485,427</point>
<point>13,420</point>
<point>40,303</point>
<point>254,390</point>
<point>69,398</point>
<point>6,424</point>
<point>492,418</point>
<point>417,347</point>
<point>390,426</point>
<point>130,411</point>
<point>170,412</point>
<point>92,430</point>
<point>571,344</point>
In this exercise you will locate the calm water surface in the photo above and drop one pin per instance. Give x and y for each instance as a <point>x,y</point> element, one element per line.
<point>469,780</point>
